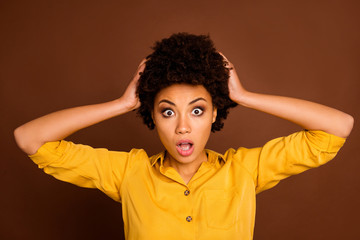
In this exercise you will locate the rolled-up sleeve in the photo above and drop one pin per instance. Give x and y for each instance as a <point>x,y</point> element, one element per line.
<point>85,166</point>
<point>293,154</point>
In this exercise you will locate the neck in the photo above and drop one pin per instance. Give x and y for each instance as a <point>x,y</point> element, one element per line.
<point>186,170</point>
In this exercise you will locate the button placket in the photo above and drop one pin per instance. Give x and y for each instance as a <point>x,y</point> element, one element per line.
<point>187,193</point>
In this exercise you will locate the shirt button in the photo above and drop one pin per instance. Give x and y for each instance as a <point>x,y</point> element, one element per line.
<point>189,218</point>
<point>187,192</point>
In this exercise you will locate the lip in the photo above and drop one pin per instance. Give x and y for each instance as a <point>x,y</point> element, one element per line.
<point>183,152</point>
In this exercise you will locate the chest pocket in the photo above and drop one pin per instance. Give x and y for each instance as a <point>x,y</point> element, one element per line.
<point>222,208</point>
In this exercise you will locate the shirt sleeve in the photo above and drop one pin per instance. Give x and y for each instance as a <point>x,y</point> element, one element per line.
<point>85,166</point>
<point>290,155</point>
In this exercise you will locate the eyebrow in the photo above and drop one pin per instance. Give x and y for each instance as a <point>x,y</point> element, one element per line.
<point>192,102</point>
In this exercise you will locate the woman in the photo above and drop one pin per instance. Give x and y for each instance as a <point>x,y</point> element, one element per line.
<point>185,89</point>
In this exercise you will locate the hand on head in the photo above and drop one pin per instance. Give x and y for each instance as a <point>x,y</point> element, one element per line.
<point>130,95</point>
<point>236,90</point>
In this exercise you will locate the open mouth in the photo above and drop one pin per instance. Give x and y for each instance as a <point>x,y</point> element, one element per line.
<point>185,147</point>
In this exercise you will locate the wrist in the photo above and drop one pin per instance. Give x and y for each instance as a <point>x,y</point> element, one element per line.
<point>124,106</point>
<point>242,98</point>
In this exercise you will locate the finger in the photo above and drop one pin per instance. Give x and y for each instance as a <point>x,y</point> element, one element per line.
<point>225,58</point>
<point>141,67</point>
<point>227,64</point>
<point>142,63</point>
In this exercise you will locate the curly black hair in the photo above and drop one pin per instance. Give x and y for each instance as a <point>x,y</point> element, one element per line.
<point>190,59</point>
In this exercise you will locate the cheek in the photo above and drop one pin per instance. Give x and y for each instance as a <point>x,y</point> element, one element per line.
<point>203,127</point>
<point>163,132</point>
<point>206,122</point>
<point>160,122</point>
<point>164,129</point>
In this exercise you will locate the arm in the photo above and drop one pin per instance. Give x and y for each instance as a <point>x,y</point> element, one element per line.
<point>58,125</point>
<point>309,115</point>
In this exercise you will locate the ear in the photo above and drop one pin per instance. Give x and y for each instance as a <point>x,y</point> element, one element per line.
<point>152,116</point>
<point>214,114</point>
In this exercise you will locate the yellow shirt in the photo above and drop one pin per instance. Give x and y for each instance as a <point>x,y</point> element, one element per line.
<point>217,203</point>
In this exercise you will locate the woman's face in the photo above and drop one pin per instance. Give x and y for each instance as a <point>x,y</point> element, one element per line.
<point>183,115</point>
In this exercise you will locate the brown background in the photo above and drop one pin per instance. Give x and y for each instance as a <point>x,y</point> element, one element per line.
<point>60,54</point>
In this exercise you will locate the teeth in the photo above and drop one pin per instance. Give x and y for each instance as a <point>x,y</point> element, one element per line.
<point>185,146</point>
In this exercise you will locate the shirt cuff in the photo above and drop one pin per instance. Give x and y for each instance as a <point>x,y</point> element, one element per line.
<point>48,153</point>
<point>328,142</point>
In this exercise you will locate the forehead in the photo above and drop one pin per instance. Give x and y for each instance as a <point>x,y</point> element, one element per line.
<point>183,93</point>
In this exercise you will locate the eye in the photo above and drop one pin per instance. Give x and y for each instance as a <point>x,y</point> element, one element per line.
<point>168,113</point>
<point>197,111</point>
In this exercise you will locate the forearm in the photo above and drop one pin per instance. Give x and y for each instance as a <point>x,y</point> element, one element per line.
<point>309,115</point>
<point>58,125</point>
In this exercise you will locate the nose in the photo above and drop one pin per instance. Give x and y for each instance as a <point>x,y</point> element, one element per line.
<point>183,126</point>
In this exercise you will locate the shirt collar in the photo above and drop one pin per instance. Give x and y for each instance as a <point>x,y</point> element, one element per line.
<point>212,157</point>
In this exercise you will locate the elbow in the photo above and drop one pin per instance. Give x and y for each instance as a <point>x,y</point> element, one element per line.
<point>347,125</point>
<point>23,142</point>
<point>350,124</point>
<point>18,137</point>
